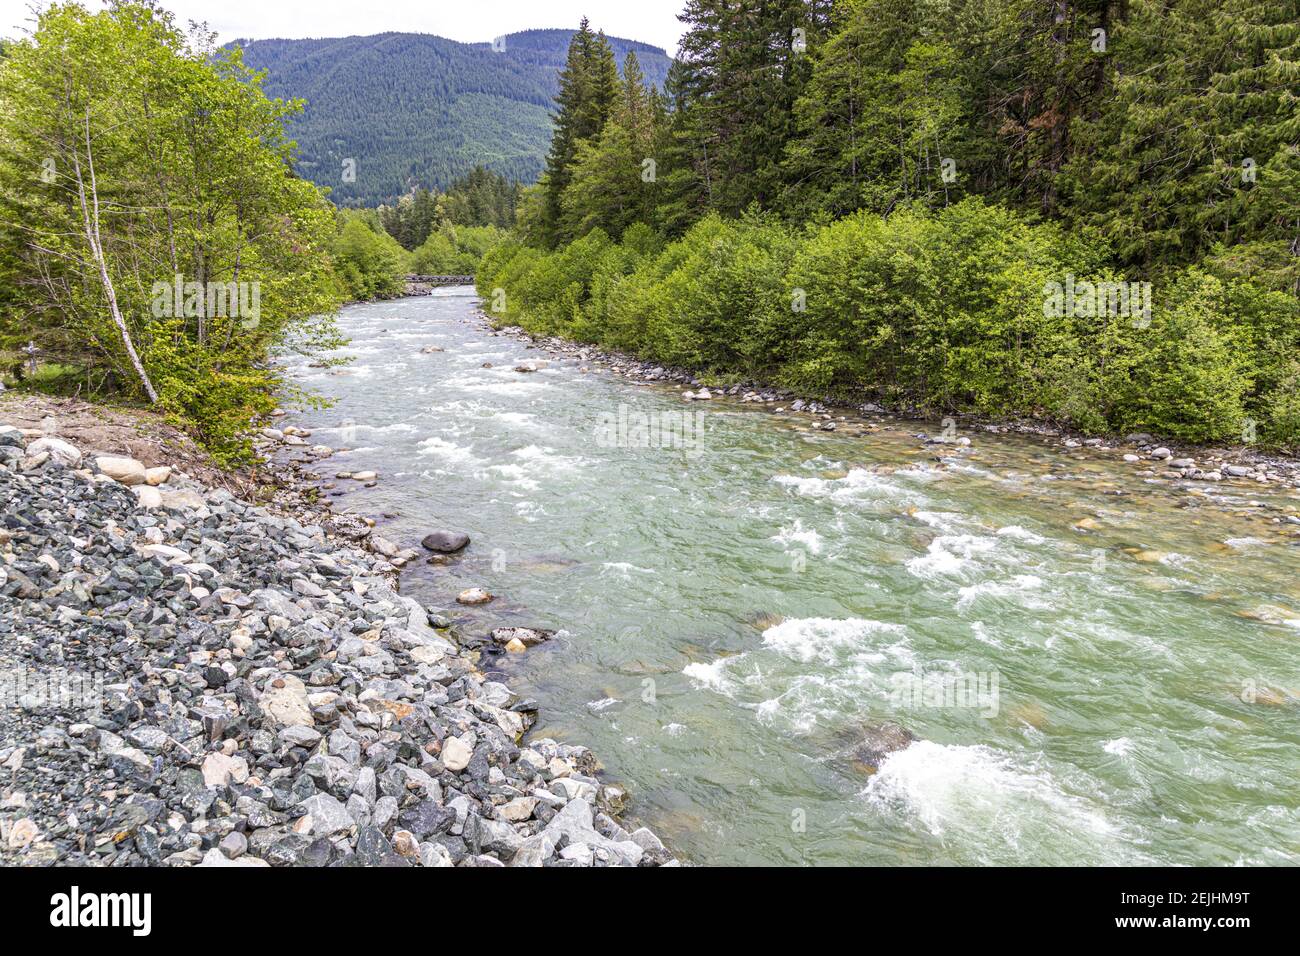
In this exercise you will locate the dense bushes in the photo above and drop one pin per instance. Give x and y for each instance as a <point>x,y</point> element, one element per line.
<point>454,250</point>
<point>949,311</point>
<point>368,261</point>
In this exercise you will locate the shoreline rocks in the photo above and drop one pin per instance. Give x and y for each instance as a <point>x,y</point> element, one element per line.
<point>1231,463</point>
<point>221,685</point>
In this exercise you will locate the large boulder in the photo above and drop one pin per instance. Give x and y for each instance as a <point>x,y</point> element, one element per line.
<point>57,449</point>
<point>446,542</point>
<point>128,471</point>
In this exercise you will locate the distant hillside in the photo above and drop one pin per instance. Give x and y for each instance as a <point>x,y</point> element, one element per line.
<point>414,109</point>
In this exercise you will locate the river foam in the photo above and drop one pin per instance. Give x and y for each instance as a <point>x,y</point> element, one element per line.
<point>956,792</point>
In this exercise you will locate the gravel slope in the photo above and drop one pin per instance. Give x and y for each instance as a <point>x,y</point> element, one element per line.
<point>188,679</point>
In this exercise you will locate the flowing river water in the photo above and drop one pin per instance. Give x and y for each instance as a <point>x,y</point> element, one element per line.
<point>736,615</point>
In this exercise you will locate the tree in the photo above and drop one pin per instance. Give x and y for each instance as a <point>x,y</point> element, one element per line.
<point>743,67</point>
<point>1196,144</point>
<point>588,92</point>
<point>615,176</point>
<point>369,262</point>
<point>146,194</point>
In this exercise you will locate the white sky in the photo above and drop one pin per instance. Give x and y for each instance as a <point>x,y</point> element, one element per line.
<point>651,21</point>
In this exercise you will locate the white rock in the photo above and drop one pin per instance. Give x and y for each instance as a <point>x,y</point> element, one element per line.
<point>580,853</point>
<point>328,815</point>
<point>473,596</point>
<point>22,834</point>
<point>455,754</point>
<point>177,500</point>
<point>157,476</point>
<point>165,551</point>
<point>286,705</point>
<point>220,770</point>
<point>434,855</point>
<point>148,496</point>
<point>57,449</point>
<point>427,654</point>
<point>128,471</point>
<point>518,809</point>
<point>215,857</point>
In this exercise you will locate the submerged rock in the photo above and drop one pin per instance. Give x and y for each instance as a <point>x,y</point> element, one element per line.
<point>527,636</point>
<point>878,741</point>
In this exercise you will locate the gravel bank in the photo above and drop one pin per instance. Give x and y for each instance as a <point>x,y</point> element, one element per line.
<point>192,680</point>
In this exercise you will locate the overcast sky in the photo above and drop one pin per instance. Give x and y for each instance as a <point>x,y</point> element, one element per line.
<point>651,21</point>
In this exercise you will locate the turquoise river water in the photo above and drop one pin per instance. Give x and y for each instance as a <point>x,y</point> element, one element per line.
<point>1098,668</point>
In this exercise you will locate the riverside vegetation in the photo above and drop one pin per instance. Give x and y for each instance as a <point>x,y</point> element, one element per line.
<point>944,206</point>
<point>138,158</point>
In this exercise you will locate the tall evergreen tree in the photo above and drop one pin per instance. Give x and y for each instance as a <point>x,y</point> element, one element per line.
<point>588,92</point>
<point>1196,145</point>
<point>615,177</point>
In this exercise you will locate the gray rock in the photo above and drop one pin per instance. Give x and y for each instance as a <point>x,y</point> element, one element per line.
<point>234,845</point>
<point>300,736</point>
<point>445,542</point>
<point>427,818</point>
<point>328,815</point>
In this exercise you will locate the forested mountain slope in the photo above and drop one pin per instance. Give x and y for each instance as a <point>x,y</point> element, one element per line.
<point>414,109</point>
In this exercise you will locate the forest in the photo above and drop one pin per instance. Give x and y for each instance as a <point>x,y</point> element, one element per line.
<point>419,111</point>
<point>889,199</point>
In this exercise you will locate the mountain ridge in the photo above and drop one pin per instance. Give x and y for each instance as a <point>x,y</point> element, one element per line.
<point>416,109</point>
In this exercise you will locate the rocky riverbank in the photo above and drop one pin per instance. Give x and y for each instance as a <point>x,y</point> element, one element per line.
<point>190,679</point>
<point>1152,458</point>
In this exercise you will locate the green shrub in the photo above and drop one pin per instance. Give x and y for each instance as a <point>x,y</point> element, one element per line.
<point>960,310</point>
<point>368,261</point>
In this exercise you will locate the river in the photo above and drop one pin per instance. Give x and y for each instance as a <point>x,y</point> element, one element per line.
<point>1099,669</point>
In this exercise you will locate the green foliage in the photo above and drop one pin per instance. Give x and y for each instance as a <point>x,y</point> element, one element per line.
<point>614,174</point>
<point>945,169</point>
<point>454,250</point>
<point>739,79</point>
<point>482,198</point>
<point>945,311</point>
<point>1195,141</point>
<point>368,261</point>
<point>136,158</point>
<point>586,99</point>
<point>412,218</point>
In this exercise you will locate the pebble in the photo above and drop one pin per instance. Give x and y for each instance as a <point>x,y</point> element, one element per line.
<point>456,754</point>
